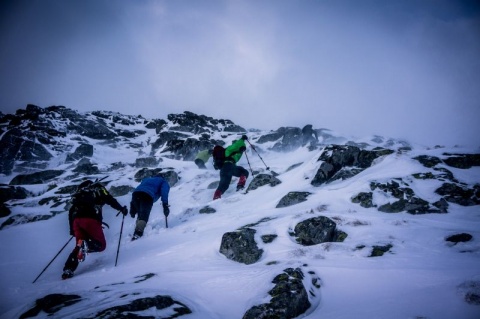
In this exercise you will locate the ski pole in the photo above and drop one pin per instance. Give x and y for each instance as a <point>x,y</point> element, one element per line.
<point>246,156</point>
<point>119,239</point>
<point>166,222</point>
<point>253,147</point>
<point>51,261</point>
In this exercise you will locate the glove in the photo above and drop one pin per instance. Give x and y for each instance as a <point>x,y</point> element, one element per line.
<point>243,149</point>
<point>244,137</point>
<point>166,210</point>
<point>72,233</point>
<point>124,211</point>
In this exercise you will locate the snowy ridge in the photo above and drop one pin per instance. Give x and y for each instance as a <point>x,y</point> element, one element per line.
<point>421,276</point>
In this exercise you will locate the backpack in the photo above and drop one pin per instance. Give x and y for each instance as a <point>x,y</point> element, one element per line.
<point>218,156</point>
<point>87,196</point>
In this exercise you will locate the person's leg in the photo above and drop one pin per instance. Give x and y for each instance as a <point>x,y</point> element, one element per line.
<point>145,204</point>
<point>200,163</point>
<point>242,173</point>
<point>226,174</point>
<point>96,238</point>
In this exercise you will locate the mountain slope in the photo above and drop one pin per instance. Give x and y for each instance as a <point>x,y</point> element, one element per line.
<point>420,274</point>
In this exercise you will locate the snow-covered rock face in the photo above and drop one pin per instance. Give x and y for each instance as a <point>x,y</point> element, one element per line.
<point>314,207</point>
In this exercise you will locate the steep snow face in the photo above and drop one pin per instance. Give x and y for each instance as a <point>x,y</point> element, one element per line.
<point>420,274</point>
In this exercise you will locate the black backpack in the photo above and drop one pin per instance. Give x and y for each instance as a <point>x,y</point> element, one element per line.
<point>87,195</point>
<point>218,155</point>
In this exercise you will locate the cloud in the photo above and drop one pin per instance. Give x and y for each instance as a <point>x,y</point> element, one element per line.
<point>402,69</point>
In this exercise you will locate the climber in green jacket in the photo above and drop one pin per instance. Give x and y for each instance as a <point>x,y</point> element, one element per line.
<point>203,157</point>
<point>233,153</point>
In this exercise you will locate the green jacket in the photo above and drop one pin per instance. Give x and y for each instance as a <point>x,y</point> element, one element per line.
<point>233,152</point>
<point>203,155</point>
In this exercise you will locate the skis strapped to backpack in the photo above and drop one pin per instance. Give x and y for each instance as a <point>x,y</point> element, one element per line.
<point>218,156</point>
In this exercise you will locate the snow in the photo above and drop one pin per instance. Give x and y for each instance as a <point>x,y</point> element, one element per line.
<point>421,278</point>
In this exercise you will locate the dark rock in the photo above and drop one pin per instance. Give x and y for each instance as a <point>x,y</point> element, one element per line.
<point>120,190</point>
<point>315,231</point>
<point>19,219</point>
<point>463,161</point>
<point>293,198</point>
<point>267,239</point>
<point>407,200</point>
<point>292,139</point>
<point>270,137</point>
<point>456,194</point>
<point>337,157</point>
<point>289,298</point>
<point>83,150</point>
<point>364,199</point>
<point>263,179</point>
<point>213,185</point>
<point>378,251</point>
<point>12,192</point>
<point>4,210</point>
<point>428,161</point>
<point>20,145</point>
<point>50,304</point>
<point>458,238</point>
<point>150,161</point>
<point>35,178</point>
<point>207,210</point>
<point>240,246</point>
<point>140,305</point>
<point>86,168</point>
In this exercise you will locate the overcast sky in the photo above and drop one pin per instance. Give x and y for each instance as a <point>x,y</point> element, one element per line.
<point>403,69</point>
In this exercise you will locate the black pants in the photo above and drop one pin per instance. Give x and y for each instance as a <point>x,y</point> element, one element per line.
<point>229,170</point>
<point>141,205</point>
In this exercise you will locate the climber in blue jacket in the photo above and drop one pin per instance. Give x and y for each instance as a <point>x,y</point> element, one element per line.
<point>148,192</point>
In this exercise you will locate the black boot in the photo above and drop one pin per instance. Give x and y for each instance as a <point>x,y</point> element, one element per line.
<point>71,264</point>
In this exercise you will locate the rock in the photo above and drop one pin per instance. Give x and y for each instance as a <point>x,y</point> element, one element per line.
<point>338,157</point>
<point>207,210</point>
<point>428,161</point>
<point>315,231</point>
<point>459,238</point>
<point>267,239</point>
<point>83,150</point>
<point>142,305</point>
<point>120,190</point>
<point>364,199</point>
<point>378,251</point>
<point>240,246</point>
<point>463,161</point>
<point>289,298</point>
<point>456,194</point>
<point>263,179</point>
<point>50,304</point>
<point>36,178</point>
<point>12,192</point>
<point>150,161</point>
<point>293,198</point>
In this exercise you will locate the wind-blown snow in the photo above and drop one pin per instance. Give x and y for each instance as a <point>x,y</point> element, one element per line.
<point>420,278</point>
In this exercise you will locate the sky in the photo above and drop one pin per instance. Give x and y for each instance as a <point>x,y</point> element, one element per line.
<point>422,276</point>
<point>403,69</point>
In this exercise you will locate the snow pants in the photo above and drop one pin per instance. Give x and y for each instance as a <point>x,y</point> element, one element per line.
<point>90,230</point>
<point>229,170</point>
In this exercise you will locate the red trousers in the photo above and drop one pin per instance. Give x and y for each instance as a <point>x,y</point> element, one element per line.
<point>89,228</point>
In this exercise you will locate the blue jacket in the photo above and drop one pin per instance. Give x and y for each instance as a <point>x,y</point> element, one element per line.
<point>156,187</point>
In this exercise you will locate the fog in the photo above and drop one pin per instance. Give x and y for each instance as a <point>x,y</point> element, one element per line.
<point>402,69</point>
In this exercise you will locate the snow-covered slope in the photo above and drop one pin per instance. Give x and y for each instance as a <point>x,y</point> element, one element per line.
<point>421,276</point>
